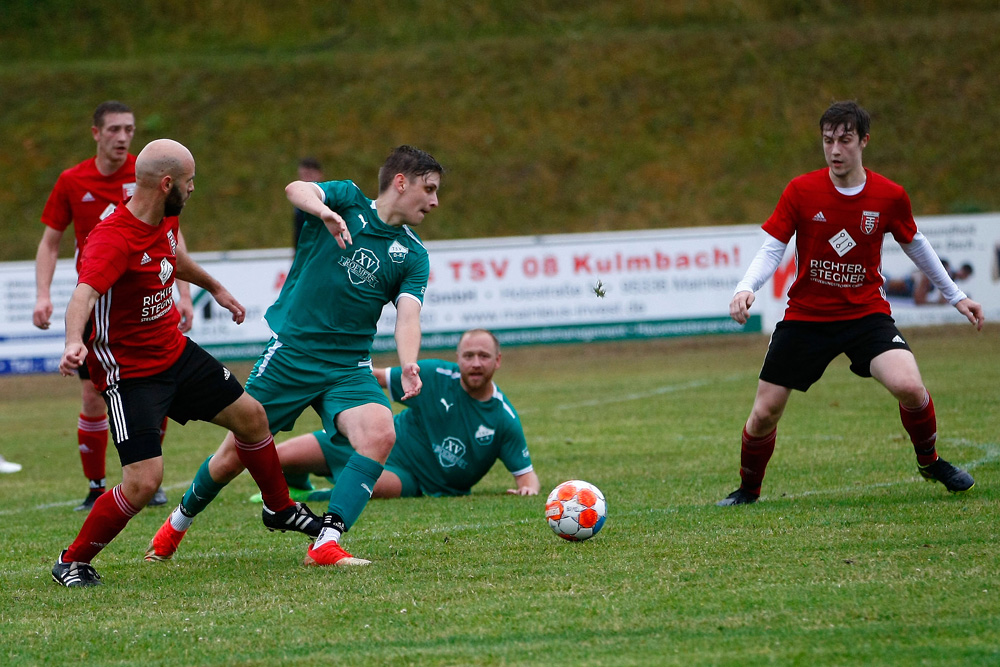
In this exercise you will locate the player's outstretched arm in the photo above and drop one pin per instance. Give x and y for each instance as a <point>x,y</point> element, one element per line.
<point>973,311</point>
<point>527,485</point>
<point>81,304</point>
<point>307,197</point>
<point>407,336</point>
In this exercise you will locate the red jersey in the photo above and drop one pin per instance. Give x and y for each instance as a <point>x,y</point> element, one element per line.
<point>83,196</point>
<point>838,244</point>
<point>131,264</point>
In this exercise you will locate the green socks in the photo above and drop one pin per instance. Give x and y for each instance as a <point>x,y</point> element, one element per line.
<point>202,491</point>
<point>354,488</point>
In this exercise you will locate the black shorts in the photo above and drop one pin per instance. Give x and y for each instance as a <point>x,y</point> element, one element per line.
<point>196,387</point>
<point>799,352</point>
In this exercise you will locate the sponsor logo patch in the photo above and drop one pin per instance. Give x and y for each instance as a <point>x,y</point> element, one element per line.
<point>842,242</point>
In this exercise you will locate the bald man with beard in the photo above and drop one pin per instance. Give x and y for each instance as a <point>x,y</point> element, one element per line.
<point>146,369</point>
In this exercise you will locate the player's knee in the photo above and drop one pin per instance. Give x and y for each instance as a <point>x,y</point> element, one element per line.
<point>911,395</point>
<point>378,445</point>
<point>252,423</point>
<point>140,489</point>
<point>763,419</point>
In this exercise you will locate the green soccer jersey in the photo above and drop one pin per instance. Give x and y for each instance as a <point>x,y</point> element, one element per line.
<point>332,299</point>
<point>448,439</point>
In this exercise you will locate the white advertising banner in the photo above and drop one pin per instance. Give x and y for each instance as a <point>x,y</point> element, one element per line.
<point>541,289</point>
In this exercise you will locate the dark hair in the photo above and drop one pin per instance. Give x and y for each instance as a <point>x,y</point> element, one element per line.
<point>848,114</point>
<point>310,163</point>
<point>409,161</point>
<point>111,106</point>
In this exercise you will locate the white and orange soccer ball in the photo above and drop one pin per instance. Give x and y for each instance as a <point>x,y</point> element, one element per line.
<point>576,510</point>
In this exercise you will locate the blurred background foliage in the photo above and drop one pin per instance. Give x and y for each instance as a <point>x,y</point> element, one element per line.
<point>549,116</point>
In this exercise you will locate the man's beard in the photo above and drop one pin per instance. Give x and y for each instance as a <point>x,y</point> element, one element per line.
<point>174,203</point>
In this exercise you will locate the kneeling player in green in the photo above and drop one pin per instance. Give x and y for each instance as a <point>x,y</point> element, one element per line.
<point>446,440</point>
<point>354,255</point>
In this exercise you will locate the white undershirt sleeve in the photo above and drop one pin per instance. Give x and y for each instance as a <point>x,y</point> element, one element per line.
<point>763,266</point>
<point>922,254</point>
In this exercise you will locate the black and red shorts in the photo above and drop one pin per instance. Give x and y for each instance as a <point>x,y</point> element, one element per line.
<point>196,387</point>
<point>799,351</point>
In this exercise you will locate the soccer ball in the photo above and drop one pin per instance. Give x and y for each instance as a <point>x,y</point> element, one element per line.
<point>576,510</point>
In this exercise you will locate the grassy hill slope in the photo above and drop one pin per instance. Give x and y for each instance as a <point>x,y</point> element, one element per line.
<point>550,116</point>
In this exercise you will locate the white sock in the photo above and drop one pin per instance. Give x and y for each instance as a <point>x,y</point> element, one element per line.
<point>179,520</point>
<point>327,535</point>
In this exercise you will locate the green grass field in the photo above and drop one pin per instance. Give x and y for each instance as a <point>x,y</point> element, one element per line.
<point>850,558</point>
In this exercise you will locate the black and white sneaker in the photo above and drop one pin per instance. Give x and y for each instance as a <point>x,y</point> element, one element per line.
<point>75,574</point>
<point>954,479</point>
<point>739,497</point>
<point>298,517</point>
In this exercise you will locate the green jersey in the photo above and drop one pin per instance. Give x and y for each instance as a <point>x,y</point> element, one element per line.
<point>332,299</point>
<point>448,439</point>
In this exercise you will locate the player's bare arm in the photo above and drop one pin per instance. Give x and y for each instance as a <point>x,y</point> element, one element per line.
<point>81,304</point>
<point>407,335</point>
<point>45,267</point>
<point>191,271</point>
<point>381,376</point>
<point>527,485</point>
<point>308,197</point>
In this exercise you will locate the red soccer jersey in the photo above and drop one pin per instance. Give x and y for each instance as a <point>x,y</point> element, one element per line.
<point>83,196</point>
<point>838,244</point>
<point>131,264</point>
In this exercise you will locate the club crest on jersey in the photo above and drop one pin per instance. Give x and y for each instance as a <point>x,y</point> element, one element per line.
<point>128,189</point>
<point>451,453</point>
<point>869,221</point>
<point>397,252</point>
<point>361,267</point>
<point>484,435</point>
<point>166,270</point>
<point>172,241</point>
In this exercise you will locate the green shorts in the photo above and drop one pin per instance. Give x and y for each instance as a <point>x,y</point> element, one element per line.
<point>336,451</point>
<point>286,382</point>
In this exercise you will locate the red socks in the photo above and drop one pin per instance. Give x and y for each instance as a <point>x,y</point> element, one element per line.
<point>261,459</point>
<point>921,425</point>
<point>92,434</point>
<point>754,455</point>
<point>110,514</point>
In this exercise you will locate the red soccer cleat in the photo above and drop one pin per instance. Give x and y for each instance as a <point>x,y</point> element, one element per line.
<point>331,553</point>
<point>164,543</point>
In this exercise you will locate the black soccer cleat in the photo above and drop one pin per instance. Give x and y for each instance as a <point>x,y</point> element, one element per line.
<point>88,502</point>
<point>954,479</point>
<point>298,517</point>
<point>75,574</point>
<point>739,497</point>
<point>159,498</point>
